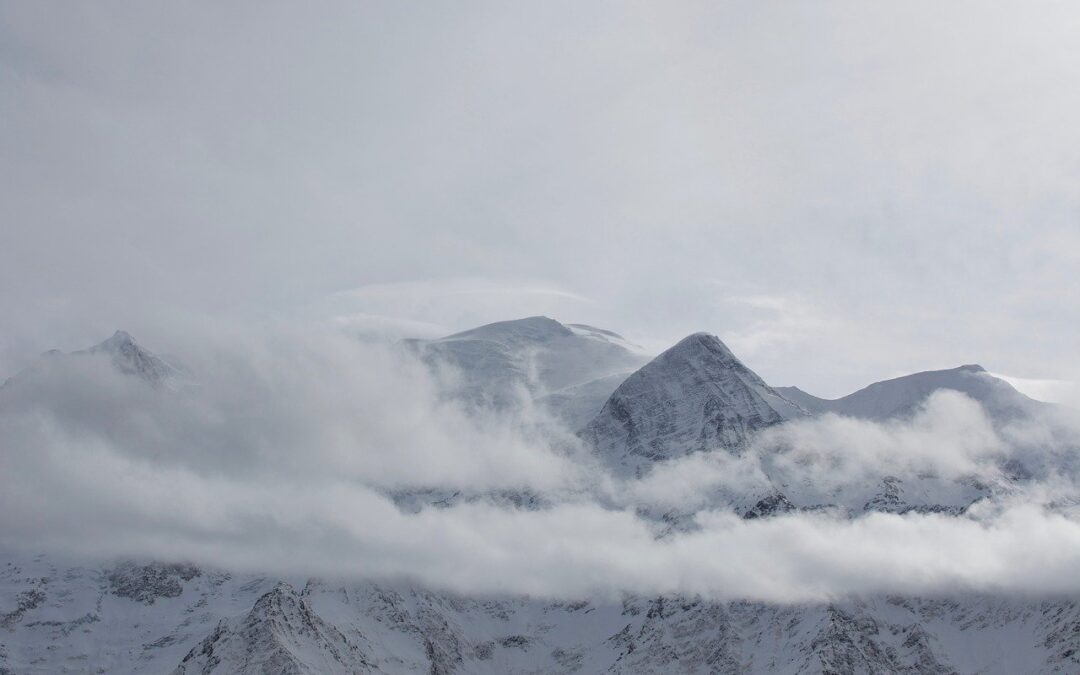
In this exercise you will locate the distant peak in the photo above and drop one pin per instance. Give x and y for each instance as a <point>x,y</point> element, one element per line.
<point>121,336</point>
<point>529,328</point>
<point>120,340</point>
<point>972,368</point>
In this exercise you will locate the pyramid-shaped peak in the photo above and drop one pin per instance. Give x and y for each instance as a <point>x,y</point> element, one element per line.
<point>131,358</point>
<point>696,396</point>
<point>121,340</point>
<point>701,351</point>
<point>121,337</point>
<point>701,342</point>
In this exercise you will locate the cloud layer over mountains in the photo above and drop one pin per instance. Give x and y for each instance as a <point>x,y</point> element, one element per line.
<point>287,450</point>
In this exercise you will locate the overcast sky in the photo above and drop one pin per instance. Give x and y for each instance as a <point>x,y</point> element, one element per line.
<point>841,191</point>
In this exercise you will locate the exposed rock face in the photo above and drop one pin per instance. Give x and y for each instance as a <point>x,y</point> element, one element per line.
<point>696,396</point>
<point>147,583</point>
<point>770,506</point>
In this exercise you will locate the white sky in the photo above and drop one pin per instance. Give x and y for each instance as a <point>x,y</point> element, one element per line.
<point>842,191</point>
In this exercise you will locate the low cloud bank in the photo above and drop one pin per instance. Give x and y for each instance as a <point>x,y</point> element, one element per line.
<point>283,458</point>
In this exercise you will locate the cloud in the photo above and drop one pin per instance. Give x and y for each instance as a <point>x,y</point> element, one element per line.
<point>437,307</point>
<point>283,459</point>
<point>1053,391</point>
<point>949,435</point>
<point>841,461</point>
<point>282,402</point>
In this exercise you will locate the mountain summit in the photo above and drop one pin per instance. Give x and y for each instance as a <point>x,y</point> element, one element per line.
<point>902,395</point>
<point>130,358</point>
<point>125,354</point>
<point>695,396</point>
<point>571,368</point>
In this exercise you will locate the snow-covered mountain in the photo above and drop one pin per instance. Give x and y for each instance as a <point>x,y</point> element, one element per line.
<point>569,368</point>
<point>696,396</point>
<point>77,618</point>
<point>122,351</point>
<point>281,634</point>
<point>60,615</point>
<point>900,396</point>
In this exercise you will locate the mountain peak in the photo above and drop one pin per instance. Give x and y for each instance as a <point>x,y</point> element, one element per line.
<point>529,329</point>
<point>901,396</point>
<point>121,340</point>
<point>130,358</point>
<point>695,396</point>
<point>702,342</point>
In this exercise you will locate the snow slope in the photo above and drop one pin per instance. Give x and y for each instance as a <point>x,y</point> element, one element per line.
<point>71,618</point>
<point>900,396</point>
<point>569,368</point>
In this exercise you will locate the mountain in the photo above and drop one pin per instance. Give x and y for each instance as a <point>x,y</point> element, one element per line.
<point>695,396</point>
<point>132,359</point>
<point>69,616</point>
<point>901,396</point>
<point>281,634</point>
<point>76,615</point>
<point>569,368</point>
<point>122,351</point>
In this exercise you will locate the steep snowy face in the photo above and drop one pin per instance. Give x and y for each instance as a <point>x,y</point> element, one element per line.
<point>695,396</point>
<point>570,369</point>
<point>281,634</point>
<point>900,396</point>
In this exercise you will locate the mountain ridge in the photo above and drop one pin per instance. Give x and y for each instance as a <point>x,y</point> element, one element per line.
<point>899,396</point>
